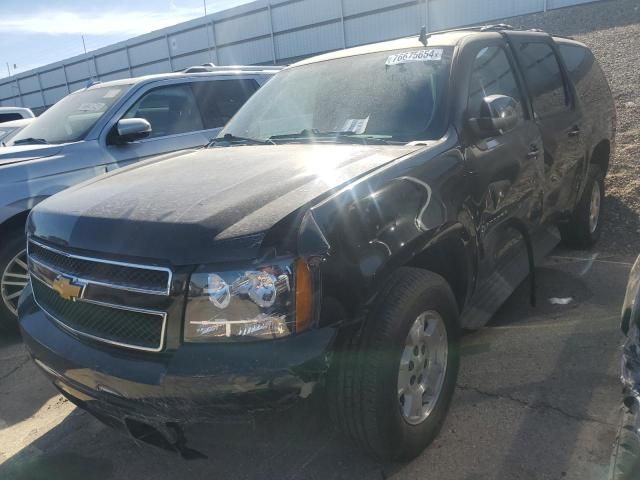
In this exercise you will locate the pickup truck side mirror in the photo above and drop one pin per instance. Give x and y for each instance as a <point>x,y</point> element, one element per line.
<point>130,129</point>
<point>498,115</point>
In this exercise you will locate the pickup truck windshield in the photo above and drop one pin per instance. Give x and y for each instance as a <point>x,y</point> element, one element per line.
<point>71,118</point>
<point>395,96</point>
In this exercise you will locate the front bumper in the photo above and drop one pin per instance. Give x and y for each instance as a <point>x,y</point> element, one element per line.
<point>194,384</point>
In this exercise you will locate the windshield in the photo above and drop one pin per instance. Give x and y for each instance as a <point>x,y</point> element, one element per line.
<point>71,118</point>
<point>393,95</point>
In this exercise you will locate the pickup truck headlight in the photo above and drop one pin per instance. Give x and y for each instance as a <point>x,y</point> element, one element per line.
<point>265,303</point>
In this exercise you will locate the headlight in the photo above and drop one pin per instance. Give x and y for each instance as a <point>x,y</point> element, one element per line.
<point>269,302</point>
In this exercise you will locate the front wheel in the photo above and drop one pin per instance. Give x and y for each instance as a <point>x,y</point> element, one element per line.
<point>392,384</point>
<point>14,277</point>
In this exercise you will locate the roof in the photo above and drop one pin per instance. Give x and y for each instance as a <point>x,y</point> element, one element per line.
<point>436,39</point>
<point>442,39</point>
<point>227,71</point>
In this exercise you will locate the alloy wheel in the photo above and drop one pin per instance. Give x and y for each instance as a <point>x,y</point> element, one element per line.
<point>423,366</point>
<point>15,278</point>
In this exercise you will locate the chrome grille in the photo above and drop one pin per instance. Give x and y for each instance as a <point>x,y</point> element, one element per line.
<point>62,285</point>
<point>137,278</point>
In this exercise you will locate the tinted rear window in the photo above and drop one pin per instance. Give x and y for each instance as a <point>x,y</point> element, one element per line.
<point>544,78</point>
<point>585,72</point>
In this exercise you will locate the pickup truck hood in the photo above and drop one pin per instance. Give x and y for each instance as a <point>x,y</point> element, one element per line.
<point>23,153</point>
<point>178,209</point>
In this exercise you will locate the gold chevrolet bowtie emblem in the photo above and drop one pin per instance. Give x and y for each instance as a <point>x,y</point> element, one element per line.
<point>66,289</point>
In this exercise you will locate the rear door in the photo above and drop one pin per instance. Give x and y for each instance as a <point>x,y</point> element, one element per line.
<point>182,115</point>
<point>558,116</point>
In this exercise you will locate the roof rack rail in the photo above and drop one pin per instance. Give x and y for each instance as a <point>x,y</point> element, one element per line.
<point>424,36</point>
<point>497,26</point>
<point>210,67</point>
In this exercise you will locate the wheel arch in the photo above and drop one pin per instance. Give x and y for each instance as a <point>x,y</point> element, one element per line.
<point>601,155</point>
<point>16,222</point>
<point>449,258</point>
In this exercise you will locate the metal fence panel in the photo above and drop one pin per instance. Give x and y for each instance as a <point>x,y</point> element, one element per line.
<point>52,78</point>
<point>149,52</point>
<point>445,14</point>
<point>386,25</point>
<point>261,32</point>
<point>52,95</point>
<point>304,13</point>
<point>112,61</point>
<point>242,28</point>
<point>29,84</point>
<point>247,53</point>
<point>187,42</point>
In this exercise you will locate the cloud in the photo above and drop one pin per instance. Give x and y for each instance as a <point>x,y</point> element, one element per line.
<point>104,23</point>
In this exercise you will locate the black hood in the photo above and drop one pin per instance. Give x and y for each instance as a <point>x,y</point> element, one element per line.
<point>179,209</point>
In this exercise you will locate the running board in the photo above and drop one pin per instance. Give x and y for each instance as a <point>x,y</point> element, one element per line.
<point>496,289</point>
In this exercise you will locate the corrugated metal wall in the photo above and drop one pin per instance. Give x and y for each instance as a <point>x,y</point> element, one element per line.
<point>261,32</point>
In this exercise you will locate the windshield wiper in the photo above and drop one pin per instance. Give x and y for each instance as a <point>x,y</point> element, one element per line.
<point>230,138</point>
<point>31,140</point>
<point>348,137</point>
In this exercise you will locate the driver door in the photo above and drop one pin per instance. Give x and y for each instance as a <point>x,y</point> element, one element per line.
<point>506,172</point>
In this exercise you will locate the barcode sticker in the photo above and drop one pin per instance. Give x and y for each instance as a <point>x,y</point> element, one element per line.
<point>430,55</point>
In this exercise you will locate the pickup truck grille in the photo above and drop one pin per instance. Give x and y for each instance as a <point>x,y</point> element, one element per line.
<point>100,271</point>
<point>72,290</point>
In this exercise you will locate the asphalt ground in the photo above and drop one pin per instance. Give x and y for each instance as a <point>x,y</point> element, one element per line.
<point>538,398</point>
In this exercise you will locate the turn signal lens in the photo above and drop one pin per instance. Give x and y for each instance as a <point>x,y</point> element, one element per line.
<point>304,296</point>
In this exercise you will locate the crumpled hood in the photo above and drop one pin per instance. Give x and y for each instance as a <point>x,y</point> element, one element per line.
<point>178,209</point>
<point>23,153</point>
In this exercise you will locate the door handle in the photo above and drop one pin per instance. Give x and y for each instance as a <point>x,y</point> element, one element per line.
<point>574,132</point>
<point>534,151</point>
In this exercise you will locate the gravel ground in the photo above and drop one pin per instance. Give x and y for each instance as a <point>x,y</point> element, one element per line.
<point>612,30</point>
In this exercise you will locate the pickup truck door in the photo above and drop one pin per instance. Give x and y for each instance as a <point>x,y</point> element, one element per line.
<point>506,181</point>
<point>182,116</point>
<point>558,116</point>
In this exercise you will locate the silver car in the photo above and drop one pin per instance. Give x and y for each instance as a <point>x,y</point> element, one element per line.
<point>103,127</point>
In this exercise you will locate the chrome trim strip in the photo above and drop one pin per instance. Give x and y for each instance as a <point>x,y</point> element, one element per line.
<point>86,282</point>
<point>165,292</point>
<point>104,340</point>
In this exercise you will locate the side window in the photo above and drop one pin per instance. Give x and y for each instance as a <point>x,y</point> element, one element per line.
<point>221,99</point>
<point>584,71</point>
<point>170,110</point>
<point>492,74</point>
<point>544,78</point>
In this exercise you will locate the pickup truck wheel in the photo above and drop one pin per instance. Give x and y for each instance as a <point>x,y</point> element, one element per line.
<point>585,227</point>
<point>13,278</point>
<point>394,382</point>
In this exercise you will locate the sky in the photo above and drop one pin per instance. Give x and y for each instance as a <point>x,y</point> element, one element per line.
<point>38,32</point>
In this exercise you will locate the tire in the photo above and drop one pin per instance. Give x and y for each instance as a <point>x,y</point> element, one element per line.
<point>12,246</point>
<point>364,386</point>
<point>581,232</point>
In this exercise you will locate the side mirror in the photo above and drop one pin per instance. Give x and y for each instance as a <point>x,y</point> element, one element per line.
<point>131,129</point>
<point>498,115</point>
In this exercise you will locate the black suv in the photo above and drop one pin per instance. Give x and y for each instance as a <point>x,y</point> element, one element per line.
<point>357,214</point>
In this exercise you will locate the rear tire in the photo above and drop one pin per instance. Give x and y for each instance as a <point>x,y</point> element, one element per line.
<point>371,374</point>
<point>585,227</point>
<point>13,278</point>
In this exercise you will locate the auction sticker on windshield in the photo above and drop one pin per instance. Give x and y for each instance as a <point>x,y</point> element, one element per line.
<point>430,55</point>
